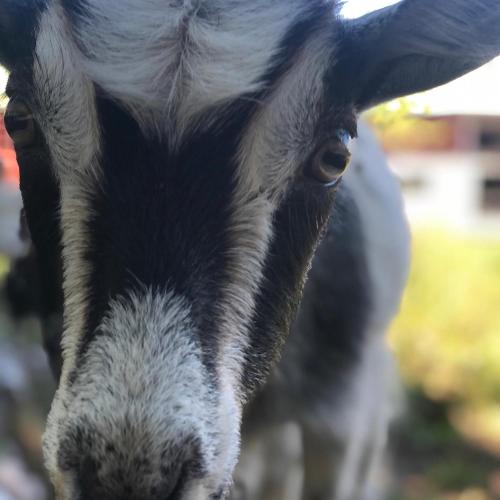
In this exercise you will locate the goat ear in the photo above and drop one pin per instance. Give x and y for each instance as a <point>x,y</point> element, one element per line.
<point>18,19</point>
<point>416,45</point>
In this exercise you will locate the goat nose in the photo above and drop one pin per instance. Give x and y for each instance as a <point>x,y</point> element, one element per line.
<point>132,483</point>
<point>175,484</point>
<point>174,480</point>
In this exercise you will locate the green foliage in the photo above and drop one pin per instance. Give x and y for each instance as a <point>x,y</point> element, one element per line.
<point>447,336</point>
<point>457,474</point>
<point>4,266</point>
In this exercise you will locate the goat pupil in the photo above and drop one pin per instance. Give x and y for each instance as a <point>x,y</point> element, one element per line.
<point>16,123</point>
<point>333,161</point>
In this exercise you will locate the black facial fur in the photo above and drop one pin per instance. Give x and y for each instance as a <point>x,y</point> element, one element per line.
<point>43,266</point>
<point>18,26</point>
<point>188,194</point>
<point>334,311</point>
<point>152,197</point>
<point>298,225</point>
<point>162,217</point>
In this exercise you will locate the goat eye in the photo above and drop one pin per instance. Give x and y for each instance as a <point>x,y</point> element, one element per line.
<point>329,163</point>
<point>19,123</point>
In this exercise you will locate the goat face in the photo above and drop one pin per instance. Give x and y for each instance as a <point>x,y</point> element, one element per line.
<point>178,163</point>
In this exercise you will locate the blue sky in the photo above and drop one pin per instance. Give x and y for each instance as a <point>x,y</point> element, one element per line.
<point>356,8</point>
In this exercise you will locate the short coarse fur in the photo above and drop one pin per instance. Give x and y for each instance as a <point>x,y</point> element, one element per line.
<point>172,170</point>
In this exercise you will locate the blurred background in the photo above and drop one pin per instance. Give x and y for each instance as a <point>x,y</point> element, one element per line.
<point>444,146</point>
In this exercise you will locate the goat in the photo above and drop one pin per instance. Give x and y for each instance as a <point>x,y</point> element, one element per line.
<point>179,160</point>
<point>336,375</point>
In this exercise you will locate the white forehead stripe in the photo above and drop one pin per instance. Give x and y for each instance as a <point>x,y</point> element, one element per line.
<point>65,96</point>
<point>275,143</point>
<point>182,57</point>
<point>279,137</point>
<point>66,111</point>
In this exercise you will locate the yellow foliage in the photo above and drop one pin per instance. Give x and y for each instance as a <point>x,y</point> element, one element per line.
<point>400,129</point>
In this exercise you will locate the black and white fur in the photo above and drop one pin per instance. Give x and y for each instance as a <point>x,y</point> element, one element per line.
<point>336,377</point>
<point>167,186</point>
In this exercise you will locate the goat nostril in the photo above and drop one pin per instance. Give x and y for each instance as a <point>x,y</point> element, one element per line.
<point>175,494</point>
<point>178,469</point>
<point>176,479</point>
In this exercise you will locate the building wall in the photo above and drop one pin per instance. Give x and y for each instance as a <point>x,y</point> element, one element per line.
<point>460,190</point>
